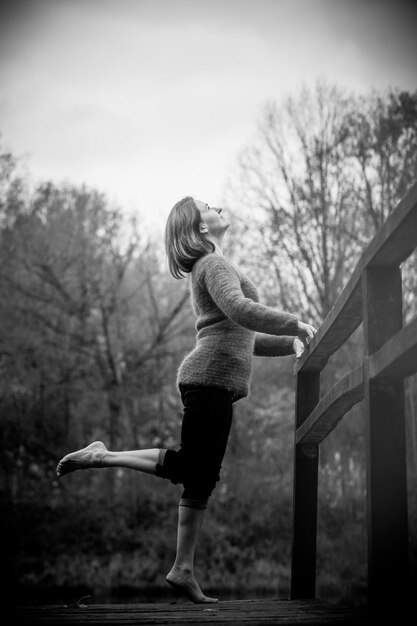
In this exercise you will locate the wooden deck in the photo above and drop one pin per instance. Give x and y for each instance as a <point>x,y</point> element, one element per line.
<point>238,612</point>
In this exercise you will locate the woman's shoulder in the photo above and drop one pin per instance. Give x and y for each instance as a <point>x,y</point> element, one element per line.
<point>213,261</point>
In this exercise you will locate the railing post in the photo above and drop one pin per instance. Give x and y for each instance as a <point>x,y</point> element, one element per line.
<point>306,459</point>
<point>388,565</point>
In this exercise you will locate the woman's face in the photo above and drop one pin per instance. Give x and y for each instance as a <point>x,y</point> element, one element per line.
<point>213,218</point>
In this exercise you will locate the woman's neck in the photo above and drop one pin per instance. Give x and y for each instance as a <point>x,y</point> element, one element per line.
<point>217,244</point>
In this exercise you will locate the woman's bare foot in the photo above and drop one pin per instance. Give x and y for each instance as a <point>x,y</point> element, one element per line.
<point>91,456</point>
<point>183,580</point>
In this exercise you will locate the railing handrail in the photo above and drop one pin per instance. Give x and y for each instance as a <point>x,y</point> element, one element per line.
<point>373,295</point>
<point>391,245</point>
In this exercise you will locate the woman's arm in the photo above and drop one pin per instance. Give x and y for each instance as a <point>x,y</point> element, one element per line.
<point>270,345</point>
<point>223,285</point>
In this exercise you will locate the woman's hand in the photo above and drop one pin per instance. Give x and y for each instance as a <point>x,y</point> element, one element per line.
<point>305,332</point>
<point>298,347</point>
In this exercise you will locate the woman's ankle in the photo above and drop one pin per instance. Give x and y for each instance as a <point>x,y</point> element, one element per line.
<point>183,568</point>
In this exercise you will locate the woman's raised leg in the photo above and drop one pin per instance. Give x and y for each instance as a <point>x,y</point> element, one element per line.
<point>96,455</point>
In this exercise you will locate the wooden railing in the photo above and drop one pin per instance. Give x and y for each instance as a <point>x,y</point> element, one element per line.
<point>373,296</point>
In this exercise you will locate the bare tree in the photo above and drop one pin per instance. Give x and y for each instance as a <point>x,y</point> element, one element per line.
<point>382,143</point>
<point>294,178</point>
<point>89,307</point>
<point>322,174</point>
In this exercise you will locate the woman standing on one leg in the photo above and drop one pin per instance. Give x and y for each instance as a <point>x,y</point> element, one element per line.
<point>231,327</point>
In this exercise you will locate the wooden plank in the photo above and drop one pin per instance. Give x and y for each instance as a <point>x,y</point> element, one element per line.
<point>306,463</point>
<point>331,409</point>
<point>341,321</point>
<point>239,612</point>
<point>388,567</point>
<point>397,237</point>
<point>398,356</point>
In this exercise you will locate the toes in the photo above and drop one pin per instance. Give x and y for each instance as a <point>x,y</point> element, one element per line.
<point>191,590</point>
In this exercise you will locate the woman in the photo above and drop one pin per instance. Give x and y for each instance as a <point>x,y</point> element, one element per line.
<point>231,326</point>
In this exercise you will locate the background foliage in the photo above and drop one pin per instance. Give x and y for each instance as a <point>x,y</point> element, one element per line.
<point>93,329</point>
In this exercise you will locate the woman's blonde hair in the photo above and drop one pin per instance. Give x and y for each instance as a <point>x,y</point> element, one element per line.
<point>184,243</point>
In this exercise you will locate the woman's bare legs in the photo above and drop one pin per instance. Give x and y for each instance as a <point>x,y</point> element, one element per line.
<point>181,575</point>
<point>97,455</point>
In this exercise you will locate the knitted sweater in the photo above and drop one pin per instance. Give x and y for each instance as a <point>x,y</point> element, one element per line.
<point>231,327</point>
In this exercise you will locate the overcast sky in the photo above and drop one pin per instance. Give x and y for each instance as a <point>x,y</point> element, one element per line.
<point>151,100</point>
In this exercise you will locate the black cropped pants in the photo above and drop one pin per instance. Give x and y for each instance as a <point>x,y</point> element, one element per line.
<point>207,418</point>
